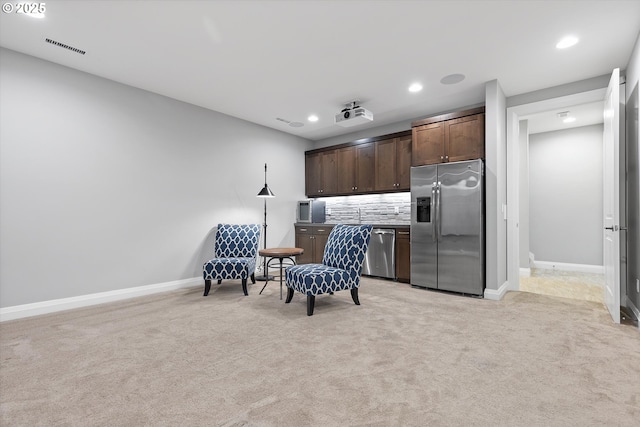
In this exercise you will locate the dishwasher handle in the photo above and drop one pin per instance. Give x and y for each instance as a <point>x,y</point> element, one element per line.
<point>381,231</point>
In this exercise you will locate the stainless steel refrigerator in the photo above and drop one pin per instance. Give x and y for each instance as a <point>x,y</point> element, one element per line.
<point>447,227</point>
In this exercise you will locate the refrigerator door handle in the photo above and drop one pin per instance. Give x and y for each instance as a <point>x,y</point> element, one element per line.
<point>439,211</point>
<point>434,211</point>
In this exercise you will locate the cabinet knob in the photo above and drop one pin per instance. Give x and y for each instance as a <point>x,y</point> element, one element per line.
<point>441,157</point>
<point>446,157</point>
<point>356,188</point>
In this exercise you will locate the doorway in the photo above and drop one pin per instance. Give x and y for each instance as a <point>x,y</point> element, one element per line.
<point>561,199</point>
<point>514,161</point>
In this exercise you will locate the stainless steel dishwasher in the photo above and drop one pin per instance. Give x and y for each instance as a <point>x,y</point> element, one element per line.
<point>380,259</point>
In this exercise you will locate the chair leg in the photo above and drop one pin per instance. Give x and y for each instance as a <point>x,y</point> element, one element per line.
<point>289,295</point>
<point>311,300</point>
<point>253,278</point>
<point>244,287</point>
<point>354,296</point>
<point>207,287</point>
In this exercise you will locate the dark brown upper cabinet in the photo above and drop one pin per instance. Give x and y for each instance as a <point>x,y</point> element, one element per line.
<point>321,174</point>
<point>380,164</point>
<point>448,138</point>
<point>393,164</point>
<point>356,166</point>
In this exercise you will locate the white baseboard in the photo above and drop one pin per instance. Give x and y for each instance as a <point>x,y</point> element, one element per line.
<point>52,306</point>
<point>582,268</point>
<point>496,294</point>
<point>525,272</point>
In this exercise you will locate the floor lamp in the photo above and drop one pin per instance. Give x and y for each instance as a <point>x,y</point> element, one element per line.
<point>265,193</point>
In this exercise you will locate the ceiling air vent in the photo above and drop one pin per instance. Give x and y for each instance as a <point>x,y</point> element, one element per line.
<point>290,123</point>
<point>71,48</point>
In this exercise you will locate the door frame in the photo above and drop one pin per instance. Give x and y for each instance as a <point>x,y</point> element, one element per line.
<point>513,168</point>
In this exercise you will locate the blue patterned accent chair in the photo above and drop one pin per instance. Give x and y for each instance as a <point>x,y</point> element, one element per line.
<point>340,269</point>
<point>236,250</point>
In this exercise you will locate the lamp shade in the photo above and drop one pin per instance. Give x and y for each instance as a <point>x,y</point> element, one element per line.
<point>266,192</point>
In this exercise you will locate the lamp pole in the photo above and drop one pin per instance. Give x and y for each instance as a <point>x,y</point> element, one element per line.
<point>265,193</point>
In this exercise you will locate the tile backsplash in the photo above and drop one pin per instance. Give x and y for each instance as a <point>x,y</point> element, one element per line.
<point>391,208</point>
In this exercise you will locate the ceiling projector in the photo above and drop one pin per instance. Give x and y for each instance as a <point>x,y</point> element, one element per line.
<point>353,115</point>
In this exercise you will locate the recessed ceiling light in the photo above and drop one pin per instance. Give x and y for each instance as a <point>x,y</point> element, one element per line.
<point>415,87</point>
<point>567,42</point>
<point>312,118</point>
<point>569,120</point>
<point>452,79</point>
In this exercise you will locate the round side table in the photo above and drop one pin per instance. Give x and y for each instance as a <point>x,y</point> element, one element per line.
<point>278,257</point>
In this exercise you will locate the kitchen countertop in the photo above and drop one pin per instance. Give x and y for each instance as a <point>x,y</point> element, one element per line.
<point>307,224</point>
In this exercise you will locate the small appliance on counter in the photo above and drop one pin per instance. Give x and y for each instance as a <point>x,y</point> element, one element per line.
<point>311,211</point>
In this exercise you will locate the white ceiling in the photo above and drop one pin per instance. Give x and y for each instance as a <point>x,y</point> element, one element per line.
<point>584,114</point>
<point>260,60</point>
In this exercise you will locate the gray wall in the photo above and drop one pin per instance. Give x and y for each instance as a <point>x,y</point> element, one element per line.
<point>565,202</point>
<point>523,223</point>
<point>633,178</point>
<point>496,185</point>
<point>105,187</point>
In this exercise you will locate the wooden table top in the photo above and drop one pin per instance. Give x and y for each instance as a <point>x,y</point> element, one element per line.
<point>280,252</point>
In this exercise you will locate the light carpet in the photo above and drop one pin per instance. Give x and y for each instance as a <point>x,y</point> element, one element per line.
<point>405,357</point>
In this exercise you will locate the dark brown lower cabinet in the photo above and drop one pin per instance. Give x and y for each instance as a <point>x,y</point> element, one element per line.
<point>403,255</point>
<point>312,239</point>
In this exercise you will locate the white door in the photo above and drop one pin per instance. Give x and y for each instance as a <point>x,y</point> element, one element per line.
<point>611,196</point>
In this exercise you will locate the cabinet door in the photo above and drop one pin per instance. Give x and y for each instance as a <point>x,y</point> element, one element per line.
<point>403,162</point>
<point>428,144</point>
<point>464,138</point>
<point>321,235</point>
<point>386,165</point>
<point>403,256</point>
<point>313,174</point>
<point>346,158</point>
<point>304,240</point>
<point>329,173</point>
<point>365,169</point>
